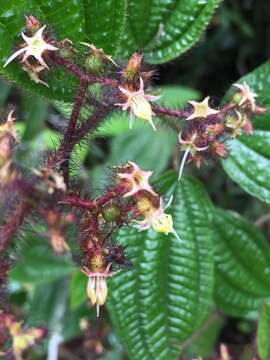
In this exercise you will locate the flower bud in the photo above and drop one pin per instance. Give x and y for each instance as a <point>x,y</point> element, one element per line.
<point>133,67</point>
<point>237,97</point>
<point>94,64</point>
<point>111,212</point>
<point>32,23</point>
<point>219,149</point>
<point>66,53</point>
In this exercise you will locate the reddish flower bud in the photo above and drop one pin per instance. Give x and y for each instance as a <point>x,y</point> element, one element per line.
<point>219,149</point>
<point>215,130</point>
<point>32,23</point>
<point>259,110</point>
<point>133,67</point>
<point>198,160</point>
<point>248,127</point>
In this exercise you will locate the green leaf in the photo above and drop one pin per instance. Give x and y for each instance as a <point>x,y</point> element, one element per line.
<point>5,88</point>
<point>165,30</point>
<point>35,110</point>
<point>242,258</point>
<point>204,344</point>
<point>77,20</point>
<point>39,264</point>
<point>177,96</point>
<point>263,332</point>
<point>104,22</point>
<point>249,158</point>
<point>158,304</point>
<point>78,289</point>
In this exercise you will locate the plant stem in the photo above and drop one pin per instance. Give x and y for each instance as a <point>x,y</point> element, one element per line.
<point>72,127</point>
<point>66,148</point>
<point>8,230</point>
<point>75,201</point>
<point>159,110</point>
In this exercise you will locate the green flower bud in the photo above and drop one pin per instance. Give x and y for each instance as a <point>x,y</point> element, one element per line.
<point>237,98</point>
<point>94,64</point>
<point>111,213</point>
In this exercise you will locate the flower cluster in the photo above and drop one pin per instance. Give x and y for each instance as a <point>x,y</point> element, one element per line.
<point>207,130</point>
<point>132,200</point>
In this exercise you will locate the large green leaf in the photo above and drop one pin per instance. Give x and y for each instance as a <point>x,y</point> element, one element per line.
<point>242,258</point>
<point>77,20</point>
<point>104,22</point>
<point>38,264</point>
<point>249,160</point>
<point>165,29</point>
<point>158,304</point>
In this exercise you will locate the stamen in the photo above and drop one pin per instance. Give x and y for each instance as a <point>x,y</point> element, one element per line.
<point>183,163</point>
<point>176,235</point>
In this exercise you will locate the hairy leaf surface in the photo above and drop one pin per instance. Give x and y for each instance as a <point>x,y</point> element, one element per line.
<point>158,304</point>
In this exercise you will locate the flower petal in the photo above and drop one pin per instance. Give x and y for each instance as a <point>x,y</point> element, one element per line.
<point>13,56</point>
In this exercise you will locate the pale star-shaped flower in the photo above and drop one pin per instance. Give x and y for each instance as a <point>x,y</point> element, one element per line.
<point>139,105</point>
<point>137,180</point>
<point>97,289</point>
<point>35,47</point>
<point>154,217</point>
<point>201,109</point>
<point>246,95</point>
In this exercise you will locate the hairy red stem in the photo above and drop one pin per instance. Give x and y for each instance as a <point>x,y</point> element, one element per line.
<point>159,110</point>
<point>75,201</point>
<point>72,127</point>
<point>8,230</point>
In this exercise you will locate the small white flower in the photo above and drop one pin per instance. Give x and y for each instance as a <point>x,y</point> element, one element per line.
<point>201,109</point>
<point>35,47</point>
<point>139,105</point>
